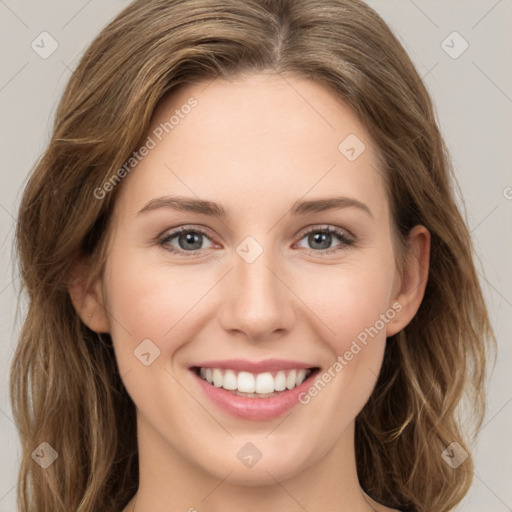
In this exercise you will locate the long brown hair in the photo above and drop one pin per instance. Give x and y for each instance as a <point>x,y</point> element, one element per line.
<point>65,386</point>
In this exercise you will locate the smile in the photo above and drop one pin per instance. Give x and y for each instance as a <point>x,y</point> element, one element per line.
<point>254,395</point>
<point>259,385</point>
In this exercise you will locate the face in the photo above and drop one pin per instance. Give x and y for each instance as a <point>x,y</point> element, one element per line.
<point>287,264</point>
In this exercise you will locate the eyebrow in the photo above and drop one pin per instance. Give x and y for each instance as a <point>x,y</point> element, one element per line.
<point>202,206</point>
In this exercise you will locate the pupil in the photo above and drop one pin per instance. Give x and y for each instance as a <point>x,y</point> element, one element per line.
<point>189,239</point>
<point>324,239</point>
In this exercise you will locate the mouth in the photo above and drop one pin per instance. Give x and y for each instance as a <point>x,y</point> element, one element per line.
<point>254,390</point>
<point>255,385</point>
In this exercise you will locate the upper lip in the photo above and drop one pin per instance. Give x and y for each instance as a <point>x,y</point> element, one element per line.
<point>267,365</point>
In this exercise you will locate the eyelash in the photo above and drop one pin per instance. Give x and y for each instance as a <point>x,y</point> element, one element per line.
<point>346,239</point>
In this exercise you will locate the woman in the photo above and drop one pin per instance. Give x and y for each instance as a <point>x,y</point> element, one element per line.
<point>255,369</point>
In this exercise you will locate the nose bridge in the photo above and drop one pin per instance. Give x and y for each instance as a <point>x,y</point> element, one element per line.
<point>259,302</point>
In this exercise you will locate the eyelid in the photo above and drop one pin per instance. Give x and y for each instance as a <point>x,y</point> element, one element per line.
<point>346,237</point>
<point>173,232</point>
<point>326,227</point>
<point>186,227</point>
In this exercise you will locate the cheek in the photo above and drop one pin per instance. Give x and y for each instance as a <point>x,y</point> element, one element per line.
<point>356,310</point>
<point>349,300</point>
<point>168,304</point>
<point>146,301</point>
<point>154,310</point>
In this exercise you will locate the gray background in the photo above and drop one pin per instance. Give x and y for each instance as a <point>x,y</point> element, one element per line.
<point>473,97</point>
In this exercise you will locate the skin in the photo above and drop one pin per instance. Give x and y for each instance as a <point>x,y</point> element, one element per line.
<point>254,144</point>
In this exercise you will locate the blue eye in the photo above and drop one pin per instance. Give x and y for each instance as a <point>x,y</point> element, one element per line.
<point>320,239</point>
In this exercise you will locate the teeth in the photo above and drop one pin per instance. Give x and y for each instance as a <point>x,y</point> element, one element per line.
<point>246,382</point>
<point>267,383</point>
<point>301,377</point>
<point>291,379</point>
<point>230,381</point>
<point>217,378</point>
<point>280,381</point>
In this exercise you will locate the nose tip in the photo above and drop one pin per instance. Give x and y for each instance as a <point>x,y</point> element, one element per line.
<point>257,304</point>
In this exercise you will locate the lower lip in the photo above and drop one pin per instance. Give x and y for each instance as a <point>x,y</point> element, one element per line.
<point>257,409</point>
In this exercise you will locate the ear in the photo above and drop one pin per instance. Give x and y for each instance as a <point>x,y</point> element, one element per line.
<point>409,286</point>
<point>88,299</point>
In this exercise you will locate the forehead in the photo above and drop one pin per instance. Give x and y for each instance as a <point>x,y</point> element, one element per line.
<point>254,137</point>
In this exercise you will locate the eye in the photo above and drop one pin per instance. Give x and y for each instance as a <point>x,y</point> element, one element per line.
<point>188,240</point>
<point>320,239</point>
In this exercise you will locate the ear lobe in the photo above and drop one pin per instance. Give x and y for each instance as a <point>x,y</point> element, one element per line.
<point>411,287</point>
<point>88,299</point>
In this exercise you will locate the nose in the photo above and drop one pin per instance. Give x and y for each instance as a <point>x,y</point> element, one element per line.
<point>258,303</point>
